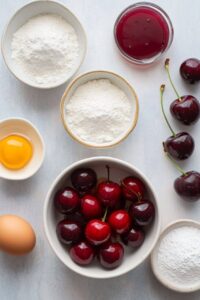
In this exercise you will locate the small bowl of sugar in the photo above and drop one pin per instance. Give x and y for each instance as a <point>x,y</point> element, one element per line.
<point>175,259</point>
<point>99,109</point>
<point>44,44</point>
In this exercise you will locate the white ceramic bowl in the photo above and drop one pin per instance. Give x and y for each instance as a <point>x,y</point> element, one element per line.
<point>27,129</point>
<point>118,169</point>
<point>154,263</point>
<point>21,17</point>
<point>116,80</point>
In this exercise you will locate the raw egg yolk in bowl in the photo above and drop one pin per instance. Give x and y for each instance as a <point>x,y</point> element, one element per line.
<point>15,151</point>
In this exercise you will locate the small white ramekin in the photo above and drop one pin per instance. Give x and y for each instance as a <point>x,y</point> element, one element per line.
<point>25,128</point>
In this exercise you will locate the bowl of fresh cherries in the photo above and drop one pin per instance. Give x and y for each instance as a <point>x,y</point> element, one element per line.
<point>101,217</point>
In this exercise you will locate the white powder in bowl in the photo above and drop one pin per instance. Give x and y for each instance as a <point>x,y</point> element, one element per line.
<point>178,257</point>
<point>98,112</point>
<point>45,49</point>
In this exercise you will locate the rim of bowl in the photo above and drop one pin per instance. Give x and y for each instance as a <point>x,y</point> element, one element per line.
<point>41,140</point>
<point>172,225</point>
<point>3,48</point>
<point>169,24</point>
<point>100,159</point>
<point>88,144</point>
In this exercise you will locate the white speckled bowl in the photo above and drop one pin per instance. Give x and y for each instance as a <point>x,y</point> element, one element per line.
<point>118,169</point>
<point>21,17</point>
<point>27,129</point>
<point>154,264</point>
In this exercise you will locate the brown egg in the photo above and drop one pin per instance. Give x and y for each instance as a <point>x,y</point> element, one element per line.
<point>17,237</point>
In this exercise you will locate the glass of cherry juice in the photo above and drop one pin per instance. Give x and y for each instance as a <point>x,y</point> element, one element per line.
<point>143,32</point>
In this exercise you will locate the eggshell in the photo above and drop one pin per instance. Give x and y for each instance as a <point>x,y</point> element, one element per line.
<point>17,236</point>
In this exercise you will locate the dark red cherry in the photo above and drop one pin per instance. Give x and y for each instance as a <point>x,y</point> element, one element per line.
<point>69,231</point>
<point>180,146</point>
<point>142,212</point>
<point>133,238</point>
<point>66,200</point>
<point>186,109</point>
<point>190,70</point>
<point>84,179</point>
<point>188,185</point>
<point>97,232</point>
<point>82,253</point>
<point>119,221</point>
<point>77,218</point>
<point>108,192</point>
<point>132,188</point>
<point>111,255</point>
<point>90,207</point>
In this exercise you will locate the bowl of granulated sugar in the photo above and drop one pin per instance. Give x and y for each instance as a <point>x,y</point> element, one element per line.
<point>175,259</point>
<point>44,44</point>
<point>99,109</point>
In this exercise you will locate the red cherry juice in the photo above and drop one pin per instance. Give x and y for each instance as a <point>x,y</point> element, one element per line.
<point>142,33</point>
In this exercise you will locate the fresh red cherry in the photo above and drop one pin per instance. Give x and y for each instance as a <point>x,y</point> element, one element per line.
<point>190,70</point>
<point>111,255</point>
<point>66,200</point>
<point>90,207</point>
<point>108,192</point>
<point>180,145</point>
<point>69,231</point>
<point>119,221</point>
<point>84,179</point>
<point>132,188</point>
<point>97,232</point>
<point>142,212</point>
<point>133,238</point>
<point>188,185</point>
<point>186,109</point>
<point>82,253</point>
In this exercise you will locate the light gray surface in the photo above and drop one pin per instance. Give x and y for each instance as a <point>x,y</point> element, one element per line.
<point>41,276</point>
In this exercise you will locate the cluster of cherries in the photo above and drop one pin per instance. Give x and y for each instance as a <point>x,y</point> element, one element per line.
<point>180,146</point>
<point>99,214</point>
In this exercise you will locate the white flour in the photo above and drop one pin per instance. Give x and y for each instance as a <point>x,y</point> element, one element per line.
<point>179,256</point>
<point>45,49</point>
<point>98,112</point>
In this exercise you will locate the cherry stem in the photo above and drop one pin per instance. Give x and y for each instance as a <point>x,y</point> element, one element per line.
<point>162,88</point>
<point>176,165</point>
<point>108,172</point>
<point>170,79</point>
<point>105,215</point>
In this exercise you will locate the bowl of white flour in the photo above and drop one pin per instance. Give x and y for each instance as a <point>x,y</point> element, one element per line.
<point>175,259</point>
<point>44,44</point>
<point>99,109</point>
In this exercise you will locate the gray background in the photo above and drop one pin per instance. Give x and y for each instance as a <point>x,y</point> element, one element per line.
<point>40,275</point>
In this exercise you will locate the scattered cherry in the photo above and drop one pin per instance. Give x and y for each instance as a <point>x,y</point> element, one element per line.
<point>132,188</point>
<point>67,200</point>
<point>108,192</point>
<point>133,238</point>
<point>97,232</point>
<point>190,70</point>
<point>180,145</point>
<point>111,255</point>
<point>84,179</point>
<point>82,253</point>
<point>185,109</point>
<point>119,221</point>
<point>142,212</point>
<point>90,207</point>
<point>69,231</point>
<point>188,184</point>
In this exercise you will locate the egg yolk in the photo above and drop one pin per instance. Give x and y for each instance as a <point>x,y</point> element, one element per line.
<point>15,152</point>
